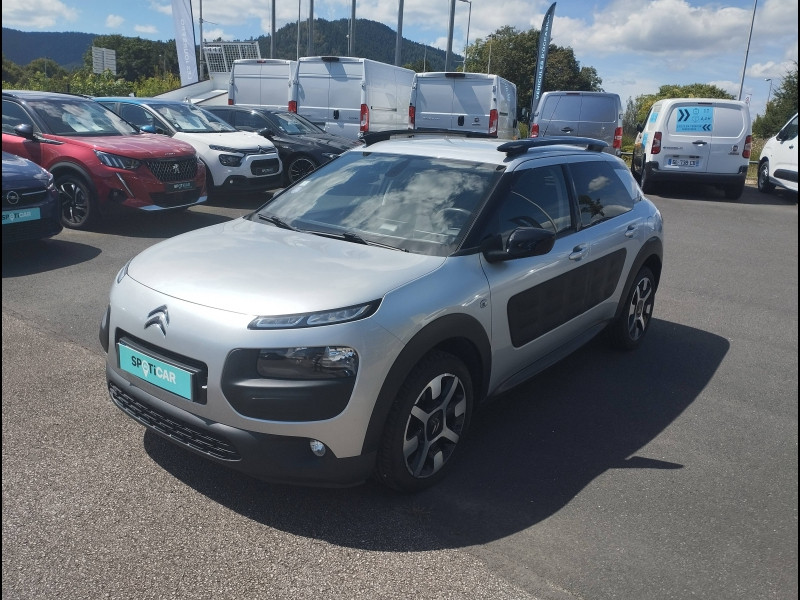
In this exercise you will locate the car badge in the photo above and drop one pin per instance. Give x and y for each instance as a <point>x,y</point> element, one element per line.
<point>158,317</point>
<point>12,197</point>
<point>176,168</point>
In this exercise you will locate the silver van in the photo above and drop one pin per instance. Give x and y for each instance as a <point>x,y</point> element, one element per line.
<point>595,115</point>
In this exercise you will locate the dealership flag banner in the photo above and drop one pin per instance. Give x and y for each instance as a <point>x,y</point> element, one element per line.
<point>184,40</point>
<point>544,47</point>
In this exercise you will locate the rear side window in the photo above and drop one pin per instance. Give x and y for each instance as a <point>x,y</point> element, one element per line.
<point>601,193</point>
<point>562,108</point>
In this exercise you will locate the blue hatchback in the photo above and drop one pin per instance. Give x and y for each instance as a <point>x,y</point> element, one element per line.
<point>31,202</point>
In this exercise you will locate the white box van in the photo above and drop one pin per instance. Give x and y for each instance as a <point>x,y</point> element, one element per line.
<point>457,101</point>
<point>695,140</point>
<point>349,96</point>
<point>261,81</point>
<point>595,115</point>
<point>778,162</point>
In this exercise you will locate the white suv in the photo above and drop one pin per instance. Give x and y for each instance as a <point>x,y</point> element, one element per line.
<point>348,327</point>
<point>241,161</point>
<point>778,162</point>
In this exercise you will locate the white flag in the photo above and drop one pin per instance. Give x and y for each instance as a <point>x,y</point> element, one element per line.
<point>184,40</point>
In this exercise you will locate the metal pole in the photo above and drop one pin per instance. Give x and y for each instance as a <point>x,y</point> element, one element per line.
<point>200,70</point>
<point>272,33</point>
<point>352,44</point>
<point>744,68</point>
<point>398,46</point>
<point>298,28</point>
<point>466,45</point>
<point>448,57</point>
<point>310,28</point>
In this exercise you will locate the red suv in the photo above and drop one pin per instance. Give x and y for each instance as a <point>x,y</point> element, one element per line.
<point>100,161</point>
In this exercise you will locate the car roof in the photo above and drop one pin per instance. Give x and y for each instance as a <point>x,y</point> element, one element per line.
<point>482,149</point>
<point>37,95</point>
<point>139,100</point>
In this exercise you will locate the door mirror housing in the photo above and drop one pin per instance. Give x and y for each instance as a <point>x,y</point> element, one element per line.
<point>522,243</point>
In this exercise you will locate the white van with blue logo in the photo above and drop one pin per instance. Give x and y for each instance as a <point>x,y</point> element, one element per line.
<point>694,140</point>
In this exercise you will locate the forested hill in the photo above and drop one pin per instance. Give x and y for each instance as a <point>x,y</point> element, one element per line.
<point>66,48</point>
<point>374,40</point>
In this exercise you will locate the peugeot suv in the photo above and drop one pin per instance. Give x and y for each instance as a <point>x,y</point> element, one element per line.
<point>237,161</point>
<point>349,326</point>
<point>100,162</point>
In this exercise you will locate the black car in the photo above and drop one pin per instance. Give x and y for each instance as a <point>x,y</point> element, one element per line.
<point>302,146</point>
<point>31,202</point>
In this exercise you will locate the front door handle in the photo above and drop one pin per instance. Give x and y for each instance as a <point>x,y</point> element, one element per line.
<point>578,252</point>
<point>699,142</point>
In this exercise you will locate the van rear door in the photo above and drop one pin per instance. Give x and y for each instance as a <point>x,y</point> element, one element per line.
<point>730,128</point>
<point>686,145</point>
<point>560,115</point>
<point>472,101</point>
<point>599,117</point>
<point>434,103</point>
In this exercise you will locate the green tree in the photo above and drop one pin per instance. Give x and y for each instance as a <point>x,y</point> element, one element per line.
<point>638,108</point>
<point>84,81</point>
<point>137,58</point>
<point>12,73</point>
<point>780,108</point>
<point>153,86</point>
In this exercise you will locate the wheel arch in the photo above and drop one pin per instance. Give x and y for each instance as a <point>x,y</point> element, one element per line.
<point>60,169</point>
<point>651,256</point>
<point>460,335</point>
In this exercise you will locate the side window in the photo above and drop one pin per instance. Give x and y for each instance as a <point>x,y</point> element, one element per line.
<point>13,115</point>
<point>249,121</point>
<point>601,192</point>
<point>135,114</point>
<point>536,198</point>
<point>562,108</point>
<point>788,132</point>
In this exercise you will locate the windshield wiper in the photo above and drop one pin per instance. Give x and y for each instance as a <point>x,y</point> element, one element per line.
<point>349,236</point>
<point>277,221</point>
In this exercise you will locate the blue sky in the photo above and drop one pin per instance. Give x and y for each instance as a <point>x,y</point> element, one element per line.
<point>635,45</point>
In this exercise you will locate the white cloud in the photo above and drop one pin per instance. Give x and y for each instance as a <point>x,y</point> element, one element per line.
<point>146,29</point>
<point>36,14</point>
<point>114,21</point>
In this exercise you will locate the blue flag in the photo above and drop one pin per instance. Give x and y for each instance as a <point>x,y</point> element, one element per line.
<point>544,47</point>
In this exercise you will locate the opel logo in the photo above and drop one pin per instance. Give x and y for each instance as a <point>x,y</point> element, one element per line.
<point>12,197</point>
<point>158,317</point>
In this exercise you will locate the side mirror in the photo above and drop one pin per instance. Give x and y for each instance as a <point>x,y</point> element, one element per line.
<point>639,127</point>
<point>25,130</point>
<point>522,243</point>
<point>148,128</point>
<point>266,132</point>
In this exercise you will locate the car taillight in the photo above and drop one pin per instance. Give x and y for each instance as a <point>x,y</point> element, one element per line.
<point>364,118</point>
<point>493,122</point>
<point>412,116</point>
<point>748,146</point>
<point>656,143</point>
<point>293,106</point>
<point>230,101</point>
<point>618,138</point>
<point>535,130</point>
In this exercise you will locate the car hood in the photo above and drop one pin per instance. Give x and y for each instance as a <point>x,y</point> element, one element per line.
<point>17,170</point>
<point>257,269</point>
<point>142,146</point>
<point>234,140</point>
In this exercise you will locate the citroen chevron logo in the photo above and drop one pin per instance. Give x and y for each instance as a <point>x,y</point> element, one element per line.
<point>158,317</point>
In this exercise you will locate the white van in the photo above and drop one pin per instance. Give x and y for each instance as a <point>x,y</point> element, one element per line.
<point>595,115</point>
<point>778,162</point>
<point>262,81</point>
<point>350,96</point>
<point>457,101</point>
<point>694,140</point>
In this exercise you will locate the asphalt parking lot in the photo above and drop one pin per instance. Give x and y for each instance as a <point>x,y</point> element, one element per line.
<point>668,473</point>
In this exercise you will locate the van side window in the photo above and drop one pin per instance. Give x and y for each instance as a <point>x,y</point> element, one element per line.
<point>789,131</point>
<point>562,108</point>
<point>601,193</point>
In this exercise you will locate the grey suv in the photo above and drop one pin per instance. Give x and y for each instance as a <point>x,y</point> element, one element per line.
<point>349,327</point>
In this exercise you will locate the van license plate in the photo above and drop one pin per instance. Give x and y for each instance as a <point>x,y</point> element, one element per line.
<point>682,162</point>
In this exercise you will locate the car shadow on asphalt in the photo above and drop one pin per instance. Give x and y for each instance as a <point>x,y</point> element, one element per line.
<point>751,195</point>
<point>41,256</point>
<point>529,453</point>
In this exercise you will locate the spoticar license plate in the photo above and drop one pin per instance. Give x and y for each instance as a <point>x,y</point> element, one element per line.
<point>21,215</point>
<point>180,186</point>
<point>683,162</point>
<point>164,375</point>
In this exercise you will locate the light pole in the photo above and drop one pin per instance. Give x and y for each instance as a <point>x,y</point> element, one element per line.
<point>466,45</point>
<point>769,93</point>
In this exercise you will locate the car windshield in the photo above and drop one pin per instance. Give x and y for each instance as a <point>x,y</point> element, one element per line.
<point>292,124</point>
<point>189,118</point>
<point>417,204</point>
<point>78,117</point>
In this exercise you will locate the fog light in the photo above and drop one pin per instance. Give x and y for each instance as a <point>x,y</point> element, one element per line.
<point>317,447</point>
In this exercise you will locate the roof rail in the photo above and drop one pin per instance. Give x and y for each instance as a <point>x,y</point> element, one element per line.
<point>372,137</point>
<point>522,146</point>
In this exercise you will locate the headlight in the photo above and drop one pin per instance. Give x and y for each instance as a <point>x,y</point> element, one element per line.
<point>324,362</point>
<point>315,319</point>
<point>118,162</point>
<point>230,160</point>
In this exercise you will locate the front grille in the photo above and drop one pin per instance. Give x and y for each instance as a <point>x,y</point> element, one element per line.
<point>173,169</point>
<point>25,196</point>
<point>169,200</point>
<point>211,445</point>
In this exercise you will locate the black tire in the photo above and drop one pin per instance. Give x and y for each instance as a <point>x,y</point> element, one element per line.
<point>765,186</point>
<point>426,424</point>
<point>627,330</point>
<point>299,167</point>
<point>79,209</point>
<point>637,175</point>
